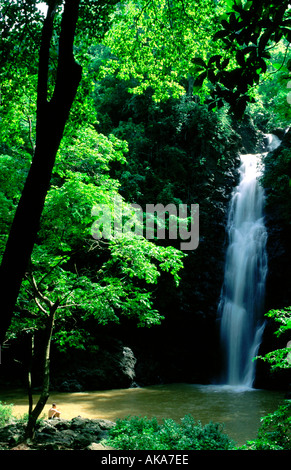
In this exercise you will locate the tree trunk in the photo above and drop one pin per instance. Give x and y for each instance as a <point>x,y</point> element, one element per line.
<point>51,119</point>
<point>29,374</point>
<point>36,411</point>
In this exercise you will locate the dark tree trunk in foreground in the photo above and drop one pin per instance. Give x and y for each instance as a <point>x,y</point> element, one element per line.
<point>51,119</point>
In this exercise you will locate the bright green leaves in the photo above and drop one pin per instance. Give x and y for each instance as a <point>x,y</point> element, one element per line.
<point>280,358</point>
<point>89,153</point>
<point>17,110</point>
<point>13,172</point>
<point>81,181</point>
<point>17,136</point>
<point>71,338</point>
<point>155,41</point>
<point>145,260</point>
<point>103,279</point>
<point>69,270</point>
<point>114,297</point>
<point>271,107</point>
<point>20,25</point>
<point>283,317</point>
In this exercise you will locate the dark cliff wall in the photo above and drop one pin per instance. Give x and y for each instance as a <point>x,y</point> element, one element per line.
<point>276,180</point>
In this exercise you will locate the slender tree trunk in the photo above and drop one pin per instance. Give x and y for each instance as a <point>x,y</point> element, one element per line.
<point>29,374</point>
<point>51,119</point>
<point>36,411</point>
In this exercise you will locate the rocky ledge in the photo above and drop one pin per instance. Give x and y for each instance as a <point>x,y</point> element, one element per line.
<point>58,434</point>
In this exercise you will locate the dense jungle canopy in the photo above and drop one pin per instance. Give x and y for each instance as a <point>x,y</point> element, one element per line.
<point>141,102</point>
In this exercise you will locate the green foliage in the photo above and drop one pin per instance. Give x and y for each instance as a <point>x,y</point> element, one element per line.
<point>135,258</point>
<point>281,358</point>
<point>274,432</point>
<point>5,413</point>
<point>271,108</point>
<point>20,25</point>
<point>102,279</point>
<point>16,138</point>
<point>137,433</point>
<point>13,170</point>
<point>248,31</point>
<point>155,42</point>
<point>176,150</point>
<point>282,316</point>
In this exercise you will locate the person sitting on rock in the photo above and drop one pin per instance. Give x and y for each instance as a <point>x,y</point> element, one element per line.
<point>53,412</point>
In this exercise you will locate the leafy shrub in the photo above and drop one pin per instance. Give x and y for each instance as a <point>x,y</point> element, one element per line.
<point>5,413</point>
<point>275,431</point>
<point>137,433</point>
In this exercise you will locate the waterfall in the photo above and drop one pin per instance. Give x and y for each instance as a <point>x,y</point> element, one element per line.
<point>241,305</point>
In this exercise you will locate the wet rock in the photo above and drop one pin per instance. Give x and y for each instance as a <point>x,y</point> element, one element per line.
<point>127,363</point>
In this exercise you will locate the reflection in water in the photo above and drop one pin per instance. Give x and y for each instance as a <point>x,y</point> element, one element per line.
<point>239,409</point>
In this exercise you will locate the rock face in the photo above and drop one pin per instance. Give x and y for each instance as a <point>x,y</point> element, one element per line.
<point>111,367</point>
<point>278,288</point>
<point>279,231</point>
<point>58,434</point>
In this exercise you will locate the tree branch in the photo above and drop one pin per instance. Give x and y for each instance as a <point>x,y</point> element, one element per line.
<point>43,68</point>
<point>40,306</point>
<point>68,71</point>
<point>38,295</point>
<point>30,133</point>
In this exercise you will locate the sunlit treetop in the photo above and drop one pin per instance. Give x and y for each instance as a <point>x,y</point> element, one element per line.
<point>156,42</point>
<point>224,46</point>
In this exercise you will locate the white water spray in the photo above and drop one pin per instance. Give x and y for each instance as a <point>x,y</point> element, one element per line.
<point>241,305</point>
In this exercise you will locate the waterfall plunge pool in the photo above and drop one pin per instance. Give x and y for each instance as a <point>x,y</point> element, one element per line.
<point>238,408</point>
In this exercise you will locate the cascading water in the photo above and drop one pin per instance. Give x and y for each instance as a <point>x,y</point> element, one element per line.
<point>241,304</point>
